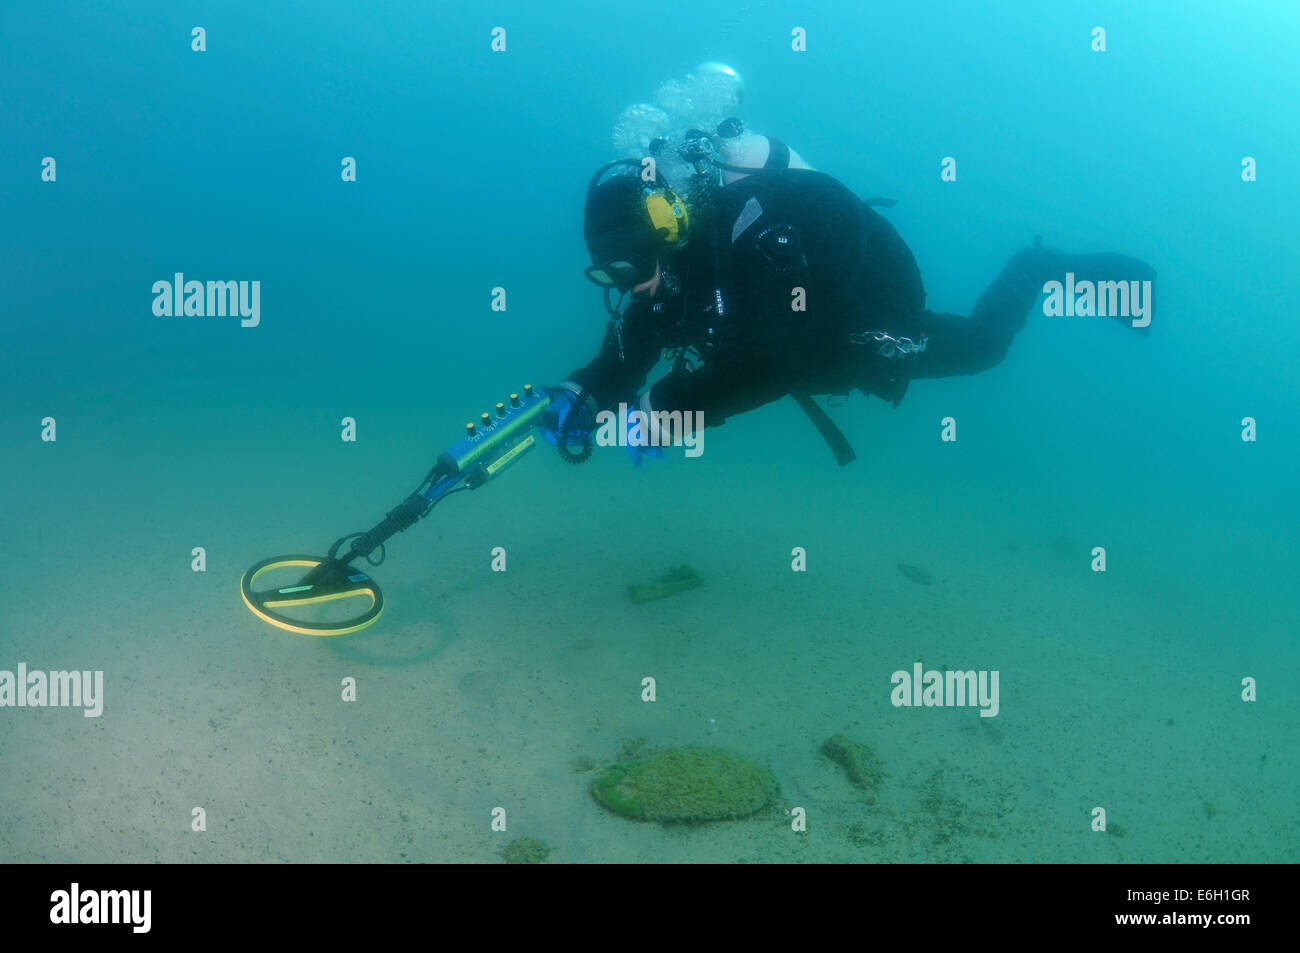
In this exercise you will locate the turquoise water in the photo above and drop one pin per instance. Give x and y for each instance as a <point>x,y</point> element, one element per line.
<point>480,690</point>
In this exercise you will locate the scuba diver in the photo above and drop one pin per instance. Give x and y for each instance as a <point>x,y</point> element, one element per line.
<point>755,274</point>
<point>760,277</point>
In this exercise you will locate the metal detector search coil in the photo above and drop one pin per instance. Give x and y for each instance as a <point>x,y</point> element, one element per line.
<point>328,580</point>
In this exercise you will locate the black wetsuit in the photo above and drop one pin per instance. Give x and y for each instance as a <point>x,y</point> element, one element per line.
<point>776,231</point>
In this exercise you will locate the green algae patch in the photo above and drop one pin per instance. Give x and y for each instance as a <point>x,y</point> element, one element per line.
<point>676,580</point>
<point>859,762</point>
<point>525,850</point>
<point>606,790</point>
<point>686,785</point>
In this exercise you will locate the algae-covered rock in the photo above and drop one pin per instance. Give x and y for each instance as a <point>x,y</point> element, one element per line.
<point>525,850</point>
<point>859,762</point>
<point>686,784</point>
<point>676,580</point>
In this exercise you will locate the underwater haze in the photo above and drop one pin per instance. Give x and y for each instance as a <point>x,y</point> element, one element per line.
<point>1102,529</point>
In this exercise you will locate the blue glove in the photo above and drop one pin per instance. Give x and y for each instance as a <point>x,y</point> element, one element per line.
<point>638,438</point>
<point>564,403</point>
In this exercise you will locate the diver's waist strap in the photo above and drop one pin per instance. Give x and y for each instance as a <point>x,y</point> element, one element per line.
<point>832,434</point>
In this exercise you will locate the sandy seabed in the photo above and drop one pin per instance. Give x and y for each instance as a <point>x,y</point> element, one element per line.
<point>480,690</point>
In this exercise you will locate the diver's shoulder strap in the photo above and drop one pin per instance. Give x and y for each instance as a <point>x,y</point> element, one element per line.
<point>778,154</point>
